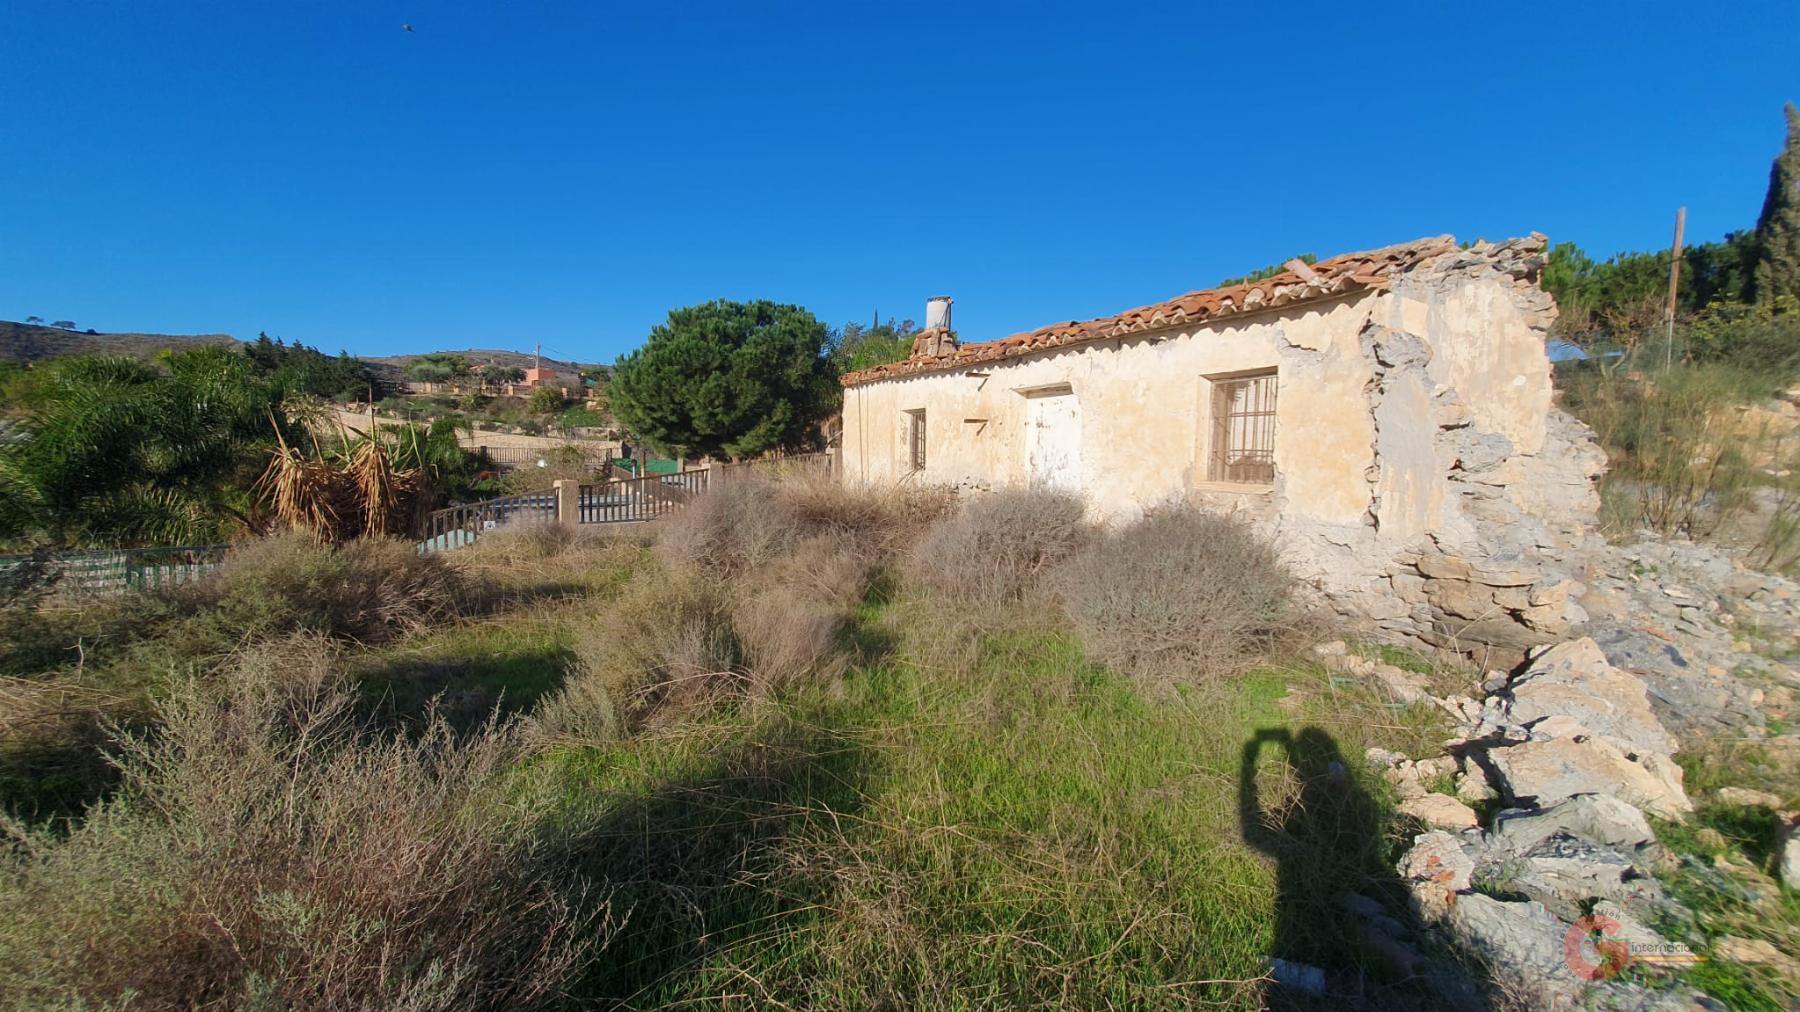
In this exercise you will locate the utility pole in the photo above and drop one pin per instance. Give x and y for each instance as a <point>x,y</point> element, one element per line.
<point>1674,285</point>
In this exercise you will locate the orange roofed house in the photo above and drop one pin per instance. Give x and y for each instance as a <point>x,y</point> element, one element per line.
<point>1387,415</point>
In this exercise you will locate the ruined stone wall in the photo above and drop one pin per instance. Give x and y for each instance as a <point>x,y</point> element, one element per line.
<point>1481,488</point>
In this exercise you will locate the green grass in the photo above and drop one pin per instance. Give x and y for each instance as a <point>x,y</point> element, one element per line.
<point>1031,832</point>
<point>1724,881</point>
<point>468,671</point>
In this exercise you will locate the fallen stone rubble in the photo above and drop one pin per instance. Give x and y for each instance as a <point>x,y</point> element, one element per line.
<point>1710,638</point>
<point>1537,821</point>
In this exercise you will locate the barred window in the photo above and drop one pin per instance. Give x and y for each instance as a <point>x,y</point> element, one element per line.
<point>915,439</point>
<point>1242,448</point>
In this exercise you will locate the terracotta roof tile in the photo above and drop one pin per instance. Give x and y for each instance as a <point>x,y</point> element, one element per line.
<point>1336,276</point>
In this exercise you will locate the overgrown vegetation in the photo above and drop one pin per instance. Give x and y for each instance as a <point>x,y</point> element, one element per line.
<point>1685,408</point>
<point>1181,595</point>
<point>263,850</point>
<point>113,452</point>
<point>731,764</point>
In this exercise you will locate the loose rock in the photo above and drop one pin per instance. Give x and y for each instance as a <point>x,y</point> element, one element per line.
<point>1550,771</point>
<point>1440,811</point>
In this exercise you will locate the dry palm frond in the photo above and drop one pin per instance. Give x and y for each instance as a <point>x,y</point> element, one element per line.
<point>304,494</point>
<point>382,490</point>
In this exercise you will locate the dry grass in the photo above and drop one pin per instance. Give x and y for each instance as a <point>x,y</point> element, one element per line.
<point>748,522</point>
<point>366,590</point>
<point>1181,595</point>
<point>996,548</point>
<point>265,852</point>
<point>757,587</point>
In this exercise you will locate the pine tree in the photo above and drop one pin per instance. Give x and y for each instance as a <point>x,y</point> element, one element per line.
<point>1778,229</point>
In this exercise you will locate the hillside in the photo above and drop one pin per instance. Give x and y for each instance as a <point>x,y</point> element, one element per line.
<point>24,342</point>
<point>476,356</point>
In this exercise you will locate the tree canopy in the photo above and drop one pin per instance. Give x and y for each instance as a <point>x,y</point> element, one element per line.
<point>729,379</point>
<point>1778,227</point>
<point>860,347</point>
<point>297,369</point>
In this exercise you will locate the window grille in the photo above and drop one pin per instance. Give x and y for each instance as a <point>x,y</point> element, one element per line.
<point>915,439</point>
<point>1243,430</point>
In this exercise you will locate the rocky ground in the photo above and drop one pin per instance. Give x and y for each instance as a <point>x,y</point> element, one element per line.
<point>1568,848</point>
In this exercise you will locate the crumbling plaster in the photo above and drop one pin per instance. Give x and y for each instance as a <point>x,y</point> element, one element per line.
<point>1415,424</point>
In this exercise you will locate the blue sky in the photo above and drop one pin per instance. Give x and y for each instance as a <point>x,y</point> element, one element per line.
<point>517,171</point>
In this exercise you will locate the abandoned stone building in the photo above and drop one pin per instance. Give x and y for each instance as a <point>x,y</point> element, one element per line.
<point>1386,415</point>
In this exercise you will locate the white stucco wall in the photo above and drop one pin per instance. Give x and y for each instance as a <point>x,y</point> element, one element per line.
<point>1144,411</point>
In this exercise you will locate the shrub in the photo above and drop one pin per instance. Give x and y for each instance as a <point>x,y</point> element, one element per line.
<point>366,590</point>
<point>790,616</point>
<point>1675,443</point>
<point>737,526</point>
<point>264,851</point>
<point>679,640</point>
<point>1181,594</point>
<point>665,647</point>
<point>995,549</point>
<point>750,521</point>
<point>523,543</point>
<point>1762,339</point>
<point>875,522</point>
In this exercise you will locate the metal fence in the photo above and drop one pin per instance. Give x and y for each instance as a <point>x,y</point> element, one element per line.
<point>509,458</point>
<point>623,500</point>
<point>464,525</point>
<point>635,499</point>
<point>113,571</point>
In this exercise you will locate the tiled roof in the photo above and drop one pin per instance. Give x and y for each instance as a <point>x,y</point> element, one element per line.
<point>1347,273</point>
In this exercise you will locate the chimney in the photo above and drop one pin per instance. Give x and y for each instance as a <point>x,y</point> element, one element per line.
<point>937,312</point>
<point>937,339</point>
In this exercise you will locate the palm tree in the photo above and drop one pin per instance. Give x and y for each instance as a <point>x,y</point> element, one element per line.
<point>112,451</point>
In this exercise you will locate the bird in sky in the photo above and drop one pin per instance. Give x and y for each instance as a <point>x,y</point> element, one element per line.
<point>407,26</point>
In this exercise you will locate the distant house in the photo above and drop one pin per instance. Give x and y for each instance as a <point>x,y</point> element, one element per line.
<point>1387,415</point>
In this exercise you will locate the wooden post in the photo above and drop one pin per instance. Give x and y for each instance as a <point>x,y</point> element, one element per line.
<point>568,502</point>
<point>1674,285</point>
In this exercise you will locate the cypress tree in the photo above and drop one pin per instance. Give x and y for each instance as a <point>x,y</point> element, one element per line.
<point>1778,229</point>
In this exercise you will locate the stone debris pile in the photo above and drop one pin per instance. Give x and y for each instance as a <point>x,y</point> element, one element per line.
<point>1537,822</point>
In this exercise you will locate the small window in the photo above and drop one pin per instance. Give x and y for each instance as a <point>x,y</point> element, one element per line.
<point>1242,449</point>
<point>915,439</point>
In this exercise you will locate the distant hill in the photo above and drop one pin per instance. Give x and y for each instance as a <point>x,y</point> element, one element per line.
<point>27,342</point>
<point>481,356</point>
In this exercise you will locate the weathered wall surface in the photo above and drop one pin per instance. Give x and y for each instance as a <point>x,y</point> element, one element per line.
<point>1142,410</point>
<point>1423,478</point>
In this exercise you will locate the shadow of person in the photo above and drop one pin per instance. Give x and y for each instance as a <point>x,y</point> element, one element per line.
<point>1337,924</point>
